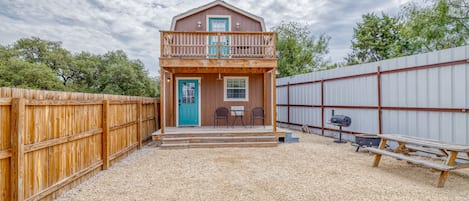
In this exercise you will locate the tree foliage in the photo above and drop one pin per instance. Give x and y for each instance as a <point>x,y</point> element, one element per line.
<point>376,38</point>
<point>15,72</point>
<point>421,27</point>
<point>299,51</point>
<point>443,24</point>
<point>40,64</point>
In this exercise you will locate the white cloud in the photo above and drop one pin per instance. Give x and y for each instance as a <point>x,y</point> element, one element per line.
<point>99,26</point>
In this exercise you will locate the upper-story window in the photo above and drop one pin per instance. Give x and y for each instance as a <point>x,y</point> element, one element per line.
<point>219,25</point>
<point>236,88</point>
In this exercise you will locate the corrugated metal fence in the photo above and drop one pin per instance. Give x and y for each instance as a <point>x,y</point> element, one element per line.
<point>50,141</point>
<point>424,95</point>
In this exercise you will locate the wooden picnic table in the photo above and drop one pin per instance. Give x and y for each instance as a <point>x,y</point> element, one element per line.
<point>409,143</point>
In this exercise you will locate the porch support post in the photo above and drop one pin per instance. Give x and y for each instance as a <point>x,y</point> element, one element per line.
<point>274,100</point>
<point>265,91</point>
<point>162,101</point>
<point>171,100</point>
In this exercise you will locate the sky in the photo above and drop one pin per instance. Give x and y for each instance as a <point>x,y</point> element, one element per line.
<point>99,26</point>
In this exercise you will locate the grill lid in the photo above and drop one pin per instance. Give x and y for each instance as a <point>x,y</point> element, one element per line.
<point>341,120</point>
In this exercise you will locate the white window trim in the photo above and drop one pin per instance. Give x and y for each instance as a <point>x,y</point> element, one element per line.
<point>218,16</point>
<point>225,82</point>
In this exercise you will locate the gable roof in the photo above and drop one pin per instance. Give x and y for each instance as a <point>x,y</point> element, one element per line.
<point>213,4</point>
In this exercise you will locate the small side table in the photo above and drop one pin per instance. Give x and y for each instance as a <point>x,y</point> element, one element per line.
<point>238,114</point>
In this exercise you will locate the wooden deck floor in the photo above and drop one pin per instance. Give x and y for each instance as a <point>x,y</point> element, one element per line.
<point>223,129</point>
<point>209,129</point>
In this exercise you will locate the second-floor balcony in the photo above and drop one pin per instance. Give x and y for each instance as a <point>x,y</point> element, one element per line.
<point>218,45</point>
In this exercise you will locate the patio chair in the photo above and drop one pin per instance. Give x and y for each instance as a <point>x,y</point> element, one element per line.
<point>221,113</point>
<point>257,113</point>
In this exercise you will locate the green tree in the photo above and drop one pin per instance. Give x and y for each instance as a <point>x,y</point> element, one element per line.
<point>88,67</point>
<point>50,53</point>
<point>376,38</point>
<point>124,76</point>
<point>6,53</point>
<point>15,72</point>
<point>34,50</point>
<point>40,64</point>
<point>299,51</point>
<point>440,25</point>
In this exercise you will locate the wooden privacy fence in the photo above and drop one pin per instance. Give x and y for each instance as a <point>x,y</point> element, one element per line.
<point>51,141</point>
<point>424,95</point>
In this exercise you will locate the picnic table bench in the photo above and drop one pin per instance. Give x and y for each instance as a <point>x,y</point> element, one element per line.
<point>406,144</point>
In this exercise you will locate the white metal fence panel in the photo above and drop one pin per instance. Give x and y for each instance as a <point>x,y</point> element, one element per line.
<point>309,116</point>
<point>363,121</point>
<point>308,94</point>
<point>282,114</point>
<point>282,95</point>
<point>363,90</point>
<point>450,127</point>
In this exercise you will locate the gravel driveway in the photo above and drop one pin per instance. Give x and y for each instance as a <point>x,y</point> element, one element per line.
<point>314,169</point>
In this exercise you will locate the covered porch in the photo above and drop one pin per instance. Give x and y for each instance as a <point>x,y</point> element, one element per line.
<point>210,89</point>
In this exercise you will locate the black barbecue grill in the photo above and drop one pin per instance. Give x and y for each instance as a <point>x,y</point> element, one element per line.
<point>340,121</point>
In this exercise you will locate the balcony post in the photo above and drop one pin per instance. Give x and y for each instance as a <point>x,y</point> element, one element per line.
<point>218,43</point>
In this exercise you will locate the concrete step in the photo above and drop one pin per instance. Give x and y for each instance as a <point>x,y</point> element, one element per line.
<point>289,138</point>
<point>182,140</point>
<point>218,145</point>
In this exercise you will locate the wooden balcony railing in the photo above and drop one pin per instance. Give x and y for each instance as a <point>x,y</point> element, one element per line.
<point>218,45</point>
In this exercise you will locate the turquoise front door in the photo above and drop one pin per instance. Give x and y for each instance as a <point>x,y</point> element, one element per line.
<point>218,24</point>
<point>188,102</point>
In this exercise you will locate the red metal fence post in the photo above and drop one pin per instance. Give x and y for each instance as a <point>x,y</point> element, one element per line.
<point>322,107</point>
<point>288,103</point>
<point>378,78</point>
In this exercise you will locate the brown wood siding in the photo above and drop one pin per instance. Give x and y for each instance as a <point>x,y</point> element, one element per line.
<point>190,23</point>
<point>212,97</point>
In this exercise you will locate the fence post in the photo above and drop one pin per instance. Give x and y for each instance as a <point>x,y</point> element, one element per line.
<point>156,115</point>
<point>105,138</point>
<point>139,124</point>
<point>17,148</point>
<point>288,103</point>
<point>322,107</point>
<point>162,101</point>
<point>378,78</point>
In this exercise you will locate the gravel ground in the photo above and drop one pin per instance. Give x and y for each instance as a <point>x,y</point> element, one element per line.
<point>314,169</point>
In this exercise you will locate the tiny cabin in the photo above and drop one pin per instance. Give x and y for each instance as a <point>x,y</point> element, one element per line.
<point>217,56</point>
